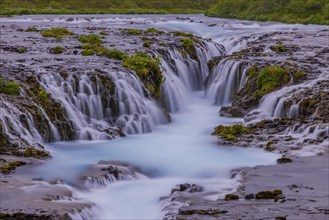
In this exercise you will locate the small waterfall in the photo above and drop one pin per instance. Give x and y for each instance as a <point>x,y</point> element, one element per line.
<point>225,81</point>
<point>95,107</point>
<point>294,111</point>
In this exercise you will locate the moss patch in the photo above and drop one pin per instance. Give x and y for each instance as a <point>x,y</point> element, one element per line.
<point>271,78</point>
<point>148,70</point>
<point>229,197</point>
<point>57,50</point>
<point>231,133</point>
<point>9,88</point>
<point>7,168</point>
<point>268,194</point>
<point>21,50</point>
<point>57,33</point>
<point>134,32</point>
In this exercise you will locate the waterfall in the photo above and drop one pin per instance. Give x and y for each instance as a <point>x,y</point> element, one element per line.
<point>225,81</point>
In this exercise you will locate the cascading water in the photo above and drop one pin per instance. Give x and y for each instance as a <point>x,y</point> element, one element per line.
<point>172,154</point>
<point>225,80</point>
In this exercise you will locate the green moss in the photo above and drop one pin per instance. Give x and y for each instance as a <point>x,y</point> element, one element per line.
<point>231,133</point>
<point>115,54</point>
<point>298,75</point>
<point>43,96</point>
<point>153,31</point>
<point>11,88</point>
<point>144,38</point>
<point>229,197</point>
<point>2,84</point>
<point>31,29</point>
<point>280,48</point>
<point>103,33</point>
<point>134,32</point>
<point>146,44</point>
<point>271,78</point>
<point>268,194</point>
<point>57,33</point>
<point>188,47</point>
<point>93,39</point>
<point>57,50</point>
<point>21,50</point>
<point>87,52</point>
<point>31,152</point>
<point>7,168</point>
<point>147,69</point>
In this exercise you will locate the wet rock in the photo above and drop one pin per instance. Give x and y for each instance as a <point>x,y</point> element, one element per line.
<point>284,160</point>
<point>190,188</point>
<point>229,197</point>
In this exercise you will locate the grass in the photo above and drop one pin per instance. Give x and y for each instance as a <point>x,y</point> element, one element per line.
<point>57,33</point>
<point>289,11</point>
<point>16,7</point>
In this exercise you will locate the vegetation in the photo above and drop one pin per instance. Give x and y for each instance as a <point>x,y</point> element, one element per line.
<point>115,54</point>
<point>92,39</point>
<point>269,78</point>
<point>57,50</point>
<point>229,197</point>
<point>153,31</point>
<point>147,44</point>
<point>9,88</point>
<point>7,168</point>
<point>13,7</point>
<point>147,69</point>
<point>134,31</point>
<point>231,133</point>
<point>21,50</point>
<point>31,29</point>
<point>280,48</point>
<point>268,194</point>
<point>291,11</point>
<point>57,33</point>
<point>88,52</point>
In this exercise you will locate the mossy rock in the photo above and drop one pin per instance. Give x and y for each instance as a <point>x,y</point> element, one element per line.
<point>189,48</point>
<point>229,197</point>
<point>57,33</point>
<point>268,194</point>
<point>57,50</point>
<point>148,70</point>
<point>231,133</point>
<point>11,166</point>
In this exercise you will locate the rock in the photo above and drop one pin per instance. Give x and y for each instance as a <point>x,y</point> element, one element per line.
<point>268,194</point>
<point>229,197</point>
<point>191,188</point>
<point>249,196</point>
<point>284,160</point>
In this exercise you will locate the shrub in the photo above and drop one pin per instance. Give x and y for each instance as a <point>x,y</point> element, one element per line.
<point>57,33</point>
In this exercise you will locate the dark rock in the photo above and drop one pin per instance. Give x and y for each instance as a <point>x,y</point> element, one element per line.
<point>284,160</point>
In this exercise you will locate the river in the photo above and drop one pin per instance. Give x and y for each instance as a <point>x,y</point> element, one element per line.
<point>180,152</point>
